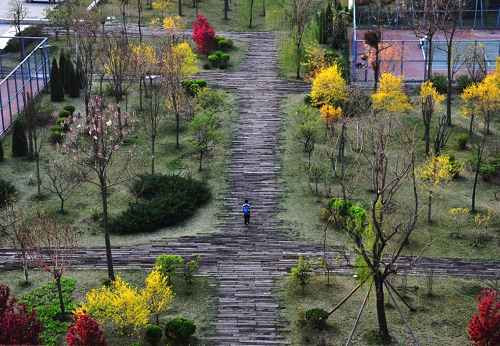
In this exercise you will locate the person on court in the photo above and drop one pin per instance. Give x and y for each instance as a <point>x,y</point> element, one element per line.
<point>246,212</point>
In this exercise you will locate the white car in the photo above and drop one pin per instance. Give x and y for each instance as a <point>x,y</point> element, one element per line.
<point>49,1</point>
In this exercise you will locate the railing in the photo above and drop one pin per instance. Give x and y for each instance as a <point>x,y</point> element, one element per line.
<point>31,75</point>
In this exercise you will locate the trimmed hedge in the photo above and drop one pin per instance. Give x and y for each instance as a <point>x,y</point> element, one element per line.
<point>14,44</point>
<point>165,200</point>
<point>153,335</point>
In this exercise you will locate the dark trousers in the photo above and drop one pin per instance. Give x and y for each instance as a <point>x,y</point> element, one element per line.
<point>247,218</point>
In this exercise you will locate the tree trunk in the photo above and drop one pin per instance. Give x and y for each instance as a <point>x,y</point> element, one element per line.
<point>251,14</point>
<point>382,318</point>
<point>263,8</point>
<point>177,129</point>
<point>153,140</point>
<point>62,206</point>
<point>299,51</point>
<point>476,175</point>
<point>450,81</point>
<point>38,179</point>
<point>471,126</point>
<point>226,8</point>
<point>61,302</point>
<point>429,208</point>
<point>109,256</point>
<point>201,158</point>
<point>25,264</point>
<point>180,8</point>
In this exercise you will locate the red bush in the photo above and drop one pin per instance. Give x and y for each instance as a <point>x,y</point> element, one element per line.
<point>203,35</point>
<point>484,328</point>
<point>85,332</point>
<point>17,325</point>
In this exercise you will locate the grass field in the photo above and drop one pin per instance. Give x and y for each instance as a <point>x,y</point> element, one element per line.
<point>302,213</point>
<point>440,319</point>
<point>168,160</point>
<point>190,301</point>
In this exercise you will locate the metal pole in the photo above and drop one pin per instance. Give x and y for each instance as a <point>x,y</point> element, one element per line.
<point>359,315</point>
<point>401,313</point>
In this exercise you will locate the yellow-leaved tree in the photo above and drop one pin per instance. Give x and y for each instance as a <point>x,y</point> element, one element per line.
<point>328,87</point>
<point>330,115</point>
<point>483,100</point>
<point>157,294</point>
<point>460,217</point>
<point>435,172</point>
<point>430,101</point>
<point>390,97</point>
<point>118,303</point>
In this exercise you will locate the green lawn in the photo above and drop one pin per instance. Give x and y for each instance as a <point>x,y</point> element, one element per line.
<point>168,160</point>
<point>440,319</point>
<point>190,301</point>
<point>302,213</point>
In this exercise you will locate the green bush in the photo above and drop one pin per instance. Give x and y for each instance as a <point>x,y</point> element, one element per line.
<point>455,166</point>
<point>440,82</point>
<point>55,134</point>
<point>64,114</point>
<point>153,335</point>
<point>180,330</point>
<point>1,151</point>
<point>486,172</point>
<point>463,81</point>
<point>341,207</point>
<point>45,301</point>
<point>316,317</point>
<point>7,192</point>
<point>62,122</point>
<point>19,140</point>
<point>207,66</point>
<point>494,162</point>
<point>14,45</point>
<point>213,60</point>
<point>165,201</point>
<point>224,43</point>
<point>70,109</point>
<point>462,141</point>
<point>201,83</point>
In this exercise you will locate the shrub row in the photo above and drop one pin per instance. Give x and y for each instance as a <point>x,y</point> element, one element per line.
<point>219,59</point>
<point>193,86</point>
<point>14,45</point>
<point>61,125</point>
<point>165,200</point>
<point>224,43</point>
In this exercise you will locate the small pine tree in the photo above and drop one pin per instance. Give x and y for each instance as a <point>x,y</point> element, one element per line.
<point>56,89</point>
<point>73,89</point>
<point>62,67</point>
<point>67,75</point>
<point>79,74</point>
<point>19,140</point>
<point>1,152</point>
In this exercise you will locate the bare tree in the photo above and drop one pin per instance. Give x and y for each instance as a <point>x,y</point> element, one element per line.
<point>426,29</point>
<point>51,247</point>
<point>17,12</point>
<point>96,148</point>
<point>59,180</point>
<point>449,17</point>
<point>299,15</point>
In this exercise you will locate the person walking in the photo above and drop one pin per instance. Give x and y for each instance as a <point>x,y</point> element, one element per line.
<point>246,212</point>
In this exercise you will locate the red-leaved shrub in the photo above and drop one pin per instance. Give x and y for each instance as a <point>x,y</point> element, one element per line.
<point>17,325</point>
<point>203,35</point>
<point>85,332</point>
<point>484,328</point>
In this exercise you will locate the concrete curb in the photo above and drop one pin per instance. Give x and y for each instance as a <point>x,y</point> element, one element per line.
<point>26,21</point>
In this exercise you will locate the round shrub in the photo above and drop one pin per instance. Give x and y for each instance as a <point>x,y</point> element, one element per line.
<point>201,83</point>
<point>19,140</point>
<point>486,172</point>
<point>224,60</point>
<point>153,335</point>
<point>64,114</point>
<point>213,60</point>
<point>7,192</point>
<point>462,141</point>
<point>62,122</point>
<point>70,108</point>
<point>463,82</point>
<point>207,66</point>
<point>165,200</point>
<point>55,134</point>
<point>180,329</point>
<point>341,206</point>
<point>440,82</point>
<point>316,317</point>
<point>223,44</point>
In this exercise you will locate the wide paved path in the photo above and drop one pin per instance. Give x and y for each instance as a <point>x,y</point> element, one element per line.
<point>245,260</point>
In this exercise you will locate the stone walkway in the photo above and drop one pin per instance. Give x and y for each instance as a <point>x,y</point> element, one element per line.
<point>245,260</point>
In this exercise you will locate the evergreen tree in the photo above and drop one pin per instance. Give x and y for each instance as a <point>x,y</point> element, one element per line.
<point>1,152</point>
<point>72,81</point>
<point>19,140</point>
<point>67,75</point>
<point>56,89</point>
<point>62,67</point>
<point>79,74</point>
